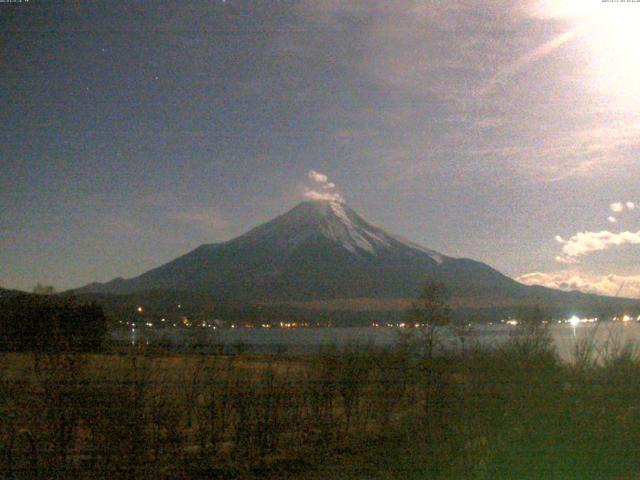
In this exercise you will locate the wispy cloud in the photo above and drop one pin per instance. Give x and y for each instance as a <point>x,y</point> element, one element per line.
<point>318,177</point>
<point>496,68</point>
<point>616,207</point>
<point>534,55</point>
<point>585,243</point>
<point>573,280</point>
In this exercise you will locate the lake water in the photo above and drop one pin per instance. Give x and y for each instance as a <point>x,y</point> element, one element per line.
<point>301,340</point>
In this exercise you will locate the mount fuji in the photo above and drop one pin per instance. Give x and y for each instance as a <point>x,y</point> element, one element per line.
<point>323,254</point>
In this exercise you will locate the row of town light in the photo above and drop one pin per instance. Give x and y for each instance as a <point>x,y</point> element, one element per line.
<point>573,321</point>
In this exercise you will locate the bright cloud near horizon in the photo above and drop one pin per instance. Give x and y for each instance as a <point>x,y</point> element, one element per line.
<point>574,280</point>
<point>586,243</point>
<point>477,132</point>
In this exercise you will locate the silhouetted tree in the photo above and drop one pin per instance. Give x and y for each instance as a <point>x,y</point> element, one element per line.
<point>50,324</point>
<point>429,313</point>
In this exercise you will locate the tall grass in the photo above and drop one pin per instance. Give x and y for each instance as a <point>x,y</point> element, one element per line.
<point>514,411</point>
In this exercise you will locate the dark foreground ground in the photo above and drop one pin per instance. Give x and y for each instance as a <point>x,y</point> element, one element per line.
<point>516,412</point>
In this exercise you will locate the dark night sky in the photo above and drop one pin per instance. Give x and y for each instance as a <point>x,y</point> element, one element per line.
<point>135,131</point>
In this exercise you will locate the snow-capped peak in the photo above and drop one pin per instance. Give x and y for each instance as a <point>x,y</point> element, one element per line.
<point>332,220</point>
<point>352,232</point>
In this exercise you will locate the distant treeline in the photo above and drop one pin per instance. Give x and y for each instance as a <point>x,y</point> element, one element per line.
<point>174,306</point>
<point>50,324</point>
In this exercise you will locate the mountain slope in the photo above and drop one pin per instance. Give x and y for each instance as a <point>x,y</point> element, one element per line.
<point>321,251</point>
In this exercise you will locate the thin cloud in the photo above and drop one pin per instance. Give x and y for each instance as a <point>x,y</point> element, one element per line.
<point>566,260</point>
<point>318,177</point>
<point>531,57</point>
<point>616,207</point>
<point>573,280</point>
<point>310,194</point>
<point>470,63</point>
<point>585,243</point>
<point>612,219</point>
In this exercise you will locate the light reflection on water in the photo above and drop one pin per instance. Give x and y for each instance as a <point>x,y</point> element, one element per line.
<point>302,340</point>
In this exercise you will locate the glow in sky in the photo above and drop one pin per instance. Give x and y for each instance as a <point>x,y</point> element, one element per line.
<point>130,139</point>
<point>610,29</point>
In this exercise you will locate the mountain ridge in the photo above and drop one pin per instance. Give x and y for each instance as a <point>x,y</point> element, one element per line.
<point>322,251</point>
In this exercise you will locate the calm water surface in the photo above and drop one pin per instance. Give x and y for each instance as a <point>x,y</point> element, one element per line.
<point>564,336</point>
